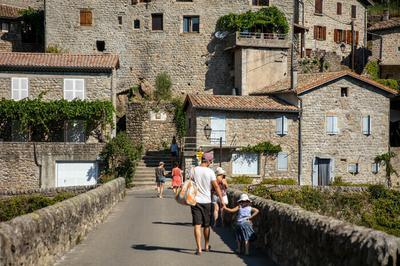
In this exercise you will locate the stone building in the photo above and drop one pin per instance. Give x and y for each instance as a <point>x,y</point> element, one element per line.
<point>344,126</point>
<point>385,38</point>
<point>70,158</point>
<point>36,4</point>
<point>240,121</point>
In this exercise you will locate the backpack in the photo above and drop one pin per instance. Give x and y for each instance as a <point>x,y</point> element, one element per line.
<point>187,193</point>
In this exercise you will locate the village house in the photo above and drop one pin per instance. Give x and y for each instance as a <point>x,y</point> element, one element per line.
<point>69,157</point>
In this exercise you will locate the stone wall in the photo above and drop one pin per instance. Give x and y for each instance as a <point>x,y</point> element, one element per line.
<point>350,145</point>
<point>196,62</point>
<point>250,128</point>
<point>151,124</point>
<point>24,3</point>
<point>97,86</point>
<point>390,45</point>
<point>332,21</point>
<point>42,237</point>
<point>49,192</point>
<point>20,171</point>
<point>293,236</point>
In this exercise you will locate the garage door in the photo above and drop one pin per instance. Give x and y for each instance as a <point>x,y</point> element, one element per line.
<point>245,164</point>
<point>73,173</point>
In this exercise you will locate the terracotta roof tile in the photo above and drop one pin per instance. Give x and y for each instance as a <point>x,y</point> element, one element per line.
<point>73,61</point>
<point>309,81</point>
<point>7,11</point>
<point>388,24</point>
<point>239,103</point>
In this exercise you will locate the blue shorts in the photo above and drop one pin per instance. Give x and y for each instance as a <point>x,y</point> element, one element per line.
<point>161,180</point>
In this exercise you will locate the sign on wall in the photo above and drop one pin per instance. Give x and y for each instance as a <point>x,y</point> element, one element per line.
<point>158,116</point>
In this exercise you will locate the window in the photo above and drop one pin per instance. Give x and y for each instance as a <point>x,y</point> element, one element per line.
<point>320,33</point>
<point>318,6</point>
<point>245,164</point>
<point>74,89</point>
<point>260,2</point>
<point>331,125</point>
<point>375,168</point>
<point>398,49</point>
<point>282,161</point>
<point>75,131</point>
<point>218,124</point>
<point>339,36</point>
<point>134,2</point>
<point>349,37</point>
<point>19,88</point>
<point>282,126</point>
<point>339,8</point>
<point>353,168</point>
<point>366,125</point>
<point>191,24</point>
<point>86,18</point>
<point>344,92</point>
<point>353,12</point>
<point>136,24</point>
<point>120,20</point>
<point>5,27</point>
<point>157,22</point>
<point>101,46</point>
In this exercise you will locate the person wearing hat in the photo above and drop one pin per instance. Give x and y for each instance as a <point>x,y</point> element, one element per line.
<point>223,185</point>
<point>244,231</point>
<point>160,179</point>
<point>205,179</point>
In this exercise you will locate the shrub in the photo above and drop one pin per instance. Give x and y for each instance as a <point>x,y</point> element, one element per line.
<point>163,87</point>
<point>120,156</point>
<point>279,181</point>
<point>247,180</point>
<point>179,117</point>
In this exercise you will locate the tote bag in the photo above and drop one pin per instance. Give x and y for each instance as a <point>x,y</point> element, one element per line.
<point>187,193</point>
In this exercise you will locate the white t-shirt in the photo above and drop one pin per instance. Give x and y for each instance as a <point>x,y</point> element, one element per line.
<point>203,177</point>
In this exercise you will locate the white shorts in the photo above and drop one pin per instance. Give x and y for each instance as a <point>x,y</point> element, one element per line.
<point>215,199</point>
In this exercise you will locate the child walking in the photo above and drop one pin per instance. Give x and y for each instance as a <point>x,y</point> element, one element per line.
<point>176,178</point>
<point>244,229</point>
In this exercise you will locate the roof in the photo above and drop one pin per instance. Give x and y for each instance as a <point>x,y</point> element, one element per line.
<point>387,24</point>
<point>59,61</point>
<point>239,103</point>
<point>307,82</point>
<point>11,12</point>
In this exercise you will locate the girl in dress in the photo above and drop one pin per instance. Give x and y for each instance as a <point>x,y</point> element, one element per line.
<point>223,185</point>
<point>176,178</point>
<point>244,227</point>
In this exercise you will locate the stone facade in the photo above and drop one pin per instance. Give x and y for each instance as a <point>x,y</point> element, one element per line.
<point>51,85</point>
<point>44,236</point>
<point>332,21</point>
<point>39,4</point>
<point>151,124</point>
<point>293,236</point>
<point>350,145</point>
<point>248,128</point>
<point>196,62</point>
<point>37,162</point>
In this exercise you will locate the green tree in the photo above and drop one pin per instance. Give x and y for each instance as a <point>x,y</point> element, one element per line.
<point>385,160</point>
<point>266,149</point>
<point>163,87</point>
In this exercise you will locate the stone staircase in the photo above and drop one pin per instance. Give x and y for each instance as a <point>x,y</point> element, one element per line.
<point>145,169</point>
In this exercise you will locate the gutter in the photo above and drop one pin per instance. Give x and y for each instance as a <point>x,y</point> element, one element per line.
<point>300,145</point>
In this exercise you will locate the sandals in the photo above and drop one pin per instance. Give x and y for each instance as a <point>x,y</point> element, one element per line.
<point>197,253</point>
<point>208,249</point>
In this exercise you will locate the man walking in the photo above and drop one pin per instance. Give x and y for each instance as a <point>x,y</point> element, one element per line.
<point>205,179</point>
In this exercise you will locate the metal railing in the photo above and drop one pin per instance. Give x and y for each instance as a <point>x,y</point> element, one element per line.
<point>262,36</point>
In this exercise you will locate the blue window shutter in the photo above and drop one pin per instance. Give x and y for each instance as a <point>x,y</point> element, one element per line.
<point>285,125</point>
<point>366,123</point>
<point>186,24</point>
<point>335,125</point>
<point>329,124</point>
<point>282,161</point>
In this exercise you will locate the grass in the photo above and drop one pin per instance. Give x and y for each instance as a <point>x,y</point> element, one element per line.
<point>377,208</point>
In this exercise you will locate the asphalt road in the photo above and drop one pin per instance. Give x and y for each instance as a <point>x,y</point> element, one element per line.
<point>145,230</point>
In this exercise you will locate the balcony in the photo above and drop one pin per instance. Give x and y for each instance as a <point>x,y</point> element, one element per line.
<point>257,39</point>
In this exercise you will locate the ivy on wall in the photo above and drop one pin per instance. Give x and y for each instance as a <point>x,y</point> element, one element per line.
<point>45,115</point>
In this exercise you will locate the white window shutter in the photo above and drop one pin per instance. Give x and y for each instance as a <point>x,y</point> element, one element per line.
<point>69,89</point>
<point>15,95</point>
<point>285,125</point>
<point>282,161</point>
<point>279,124</point>
<point>218,124</point>
<point>335,125</point>
<point>329,124</point>
<point>366,123</point>
<point>24,85</point>
<point>80,89</point>
<point>19,88</point>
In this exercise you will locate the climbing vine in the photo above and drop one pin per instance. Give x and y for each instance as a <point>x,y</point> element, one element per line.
<point>42,115</point>
<point>179,117</point>
<point>269,19</point>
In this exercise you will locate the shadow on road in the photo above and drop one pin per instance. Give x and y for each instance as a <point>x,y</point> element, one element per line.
<point>174,223</point>
<point>180,250</point>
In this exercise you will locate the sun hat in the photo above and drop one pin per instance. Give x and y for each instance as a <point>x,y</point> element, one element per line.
<point>161,163</point>
<point>244,197</point>
<point>207,157</point>
<point>220,171</point>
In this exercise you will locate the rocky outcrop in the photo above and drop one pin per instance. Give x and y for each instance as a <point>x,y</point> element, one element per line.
<point>39,238</point>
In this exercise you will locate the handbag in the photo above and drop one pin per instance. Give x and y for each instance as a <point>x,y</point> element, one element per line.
<point>187,193</point>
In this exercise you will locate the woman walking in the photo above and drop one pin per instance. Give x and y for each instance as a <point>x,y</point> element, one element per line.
<point>160,179</point>
<point>223,185</point>
<point>176,177</point>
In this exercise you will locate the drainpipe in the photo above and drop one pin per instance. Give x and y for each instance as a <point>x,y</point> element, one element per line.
<point>300,146</point>
<point>35,157</point>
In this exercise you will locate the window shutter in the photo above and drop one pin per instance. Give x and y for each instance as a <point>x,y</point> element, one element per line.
<point>279,124</point>
<point>282,161</point>
<point>339,8</point>
<point>19,88</point>
<point>15,95</point>
<point>23,88</point>
<point>335,124</point>
<point>367,125</point>
<point>318,6</point>
<point>80,89</point>
<point>316,32</point>
<point>357,36</point>
<point>218,124</point>
<point>324,33</point>
<point>336,36</point>
<point>285,125</point>
<point>69,89</point>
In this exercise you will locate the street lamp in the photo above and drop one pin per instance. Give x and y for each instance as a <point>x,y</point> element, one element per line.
<point>207,131</point>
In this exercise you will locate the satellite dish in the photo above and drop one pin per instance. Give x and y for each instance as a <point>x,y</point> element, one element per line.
<point>221,34</point>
